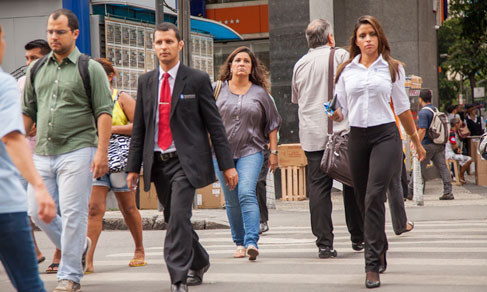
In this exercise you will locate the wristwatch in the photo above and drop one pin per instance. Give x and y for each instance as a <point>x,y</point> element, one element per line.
<point>275,152</point>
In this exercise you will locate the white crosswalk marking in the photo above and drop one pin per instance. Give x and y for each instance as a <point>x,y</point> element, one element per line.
<point>289,255</point>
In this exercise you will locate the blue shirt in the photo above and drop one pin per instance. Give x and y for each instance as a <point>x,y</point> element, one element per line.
<point>13,197</point>
<point>424,121</point>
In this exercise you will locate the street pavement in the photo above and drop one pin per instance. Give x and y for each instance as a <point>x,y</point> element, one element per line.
<point>446,251</point>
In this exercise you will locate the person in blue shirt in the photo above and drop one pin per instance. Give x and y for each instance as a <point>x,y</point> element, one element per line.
<point>434,152</point>
<point>17,252</point>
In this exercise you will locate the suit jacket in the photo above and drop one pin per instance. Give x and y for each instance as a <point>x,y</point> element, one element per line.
<point>193,115</point>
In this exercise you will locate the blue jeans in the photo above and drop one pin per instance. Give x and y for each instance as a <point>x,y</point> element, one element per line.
<point>17,252</point>
<point>68,179</point>
<point>241,203</point>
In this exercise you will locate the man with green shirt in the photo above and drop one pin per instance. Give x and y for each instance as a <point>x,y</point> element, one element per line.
<point>67,153</point>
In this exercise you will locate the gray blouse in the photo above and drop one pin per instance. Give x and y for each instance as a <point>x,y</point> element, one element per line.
<point>248,119</point>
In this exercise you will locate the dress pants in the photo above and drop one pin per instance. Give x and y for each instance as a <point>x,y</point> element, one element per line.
<point>353,217</point>
<point>261,188</point>
<point>375,159</point>
<point>396,204</point>
<point>182,249</point>
<point>320,205</point>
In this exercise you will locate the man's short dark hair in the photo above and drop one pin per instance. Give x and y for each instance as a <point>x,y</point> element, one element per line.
<point>72,19</point>
<point>39,43</point>
<point>166,26</point>
<point>425,95</point>
<point>454,122</point>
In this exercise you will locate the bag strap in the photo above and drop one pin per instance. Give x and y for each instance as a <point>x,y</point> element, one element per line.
<point>218,87</point>
<point>331,67</point>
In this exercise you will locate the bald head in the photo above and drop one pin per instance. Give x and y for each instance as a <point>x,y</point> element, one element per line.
<point>319,33</point>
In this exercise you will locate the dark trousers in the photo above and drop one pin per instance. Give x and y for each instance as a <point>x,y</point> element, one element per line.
<point>375,158</point>
<point>320,204</point>
<point>396,204</point>
<point>404,178</point>
<point>261,188</point>
<point>17,252</point>
<point>182,250</point>
<point>353,217</point>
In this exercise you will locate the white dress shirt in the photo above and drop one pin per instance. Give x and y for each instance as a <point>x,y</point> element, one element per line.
<point>172,78</point>
<point>364,94</point>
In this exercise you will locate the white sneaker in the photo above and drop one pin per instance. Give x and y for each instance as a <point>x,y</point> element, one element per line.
<point>67,286</point>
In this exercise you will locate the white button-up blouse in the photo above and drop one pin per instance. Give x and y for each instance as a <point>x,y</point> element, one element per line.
<point>364,94</point>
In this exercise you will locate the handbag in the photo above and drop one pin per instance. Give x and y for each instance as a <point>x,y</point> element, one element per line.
<point>118,153</point>
<point>463,132</point>
<point>335,162</point>
<point>118,150</point>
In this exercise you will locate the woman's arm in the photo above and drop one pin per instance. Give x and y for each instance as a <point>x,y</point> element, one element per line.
<point>273,147</point>
<point>127,103</point>
<point>410,127</point>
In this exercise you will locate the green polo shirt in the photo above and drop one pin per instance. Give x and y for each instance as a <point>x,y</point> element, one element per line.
<point>64,116</point>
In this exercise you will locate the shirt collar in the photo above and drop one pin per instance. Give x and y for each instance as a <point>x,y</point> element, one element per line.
<point>73,57</point>
<point>318,48</point>
<point>172,72</point>
<point>356,61</point>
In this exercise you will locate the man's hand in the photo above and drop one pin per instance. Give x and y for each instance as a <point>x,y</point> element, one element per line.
<point>47,207</point>
<point>231,178</point>
<point>33,131</point>
<point>132,179</point>
<point>273,165</point>
<point>337,115</point>
<point>99,167</point>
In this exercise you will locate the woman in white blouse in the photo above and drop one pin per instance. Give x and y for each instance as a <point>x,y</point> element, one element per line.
<point>366,83</point>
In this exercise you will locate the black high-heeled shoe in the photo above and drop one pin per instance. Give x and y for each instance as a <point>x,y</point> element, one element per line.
<point>373,283</point>
<point>383,263</point>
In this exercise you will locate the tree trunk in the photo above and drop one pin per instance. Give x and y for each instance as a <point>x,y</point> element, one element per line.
<point>471,77</point>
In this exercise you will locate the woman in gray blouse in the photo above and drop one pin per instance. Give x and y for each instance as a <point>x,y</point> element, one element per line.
<point>251,121</point>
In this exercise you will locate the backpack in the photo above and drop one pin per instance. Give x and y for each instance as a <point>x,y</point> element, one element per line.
<point>83,61</point>
<point>439,129</point>
<point>482,148</point>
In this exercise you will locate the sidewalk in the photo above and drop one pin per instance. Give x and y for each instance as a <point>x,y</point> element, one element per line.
<point>296,213</point>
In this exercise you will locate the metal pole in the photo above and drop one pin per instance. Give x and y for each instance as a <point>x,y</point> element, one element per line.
<point>159,11</point>
<point>184,25</point>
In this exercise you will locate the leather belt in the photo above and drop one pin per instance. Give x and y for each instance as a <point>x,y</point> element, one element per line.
<point>165,156</point>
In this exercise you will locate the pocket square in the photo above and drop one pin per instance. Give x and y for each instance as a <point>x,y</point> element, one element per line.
<point>187,96</point>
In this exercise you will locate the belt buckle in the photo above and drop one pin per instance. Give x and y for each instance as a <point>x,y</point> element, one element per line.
<point>165,157</point>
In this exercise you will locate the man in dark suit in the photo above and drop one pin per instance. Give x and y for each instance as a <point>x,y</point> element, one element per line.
<point>174,113</point>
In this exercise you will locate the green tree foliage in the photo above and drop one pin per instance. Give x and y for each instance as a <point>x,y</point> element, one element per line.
<point>463,37</point>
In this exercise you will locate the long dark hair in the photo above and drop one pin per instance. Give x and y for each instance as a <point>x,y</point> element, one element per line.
<point>383,47</point>
<point>258,74</point>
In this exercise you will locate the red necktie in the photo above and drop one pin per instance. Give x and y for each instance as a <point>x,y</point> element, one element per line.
<point>164,138</point>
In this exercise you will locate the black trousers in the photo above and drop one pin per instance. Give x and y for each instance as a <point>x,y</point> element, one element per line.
<point>261,188</point>
<point>182,250</point>
<point>320,204</point>
<point>375,158</point>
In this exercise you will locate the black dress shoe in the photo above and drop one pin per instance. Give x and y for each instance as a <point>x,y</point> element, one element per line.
<point>263,227</point>
<point>357,246</point>
<point>195,277</point>
<point>383,263</point>
<point>180,287</point>
<point>374,282</point>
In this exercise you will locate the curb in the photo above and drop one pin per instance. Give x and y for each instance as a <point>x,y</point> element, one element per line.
<point>157,223</point>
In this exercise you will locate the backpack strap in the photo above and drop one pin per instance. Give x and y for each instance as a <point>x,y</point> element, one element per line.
<point>33,72</point>
<point>83,61</point>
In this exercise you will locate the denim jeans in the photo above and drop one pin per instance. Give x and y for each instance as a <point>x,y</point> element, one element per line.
<point>241,203</point>
<point>69,180</point>
<point>17,252</point>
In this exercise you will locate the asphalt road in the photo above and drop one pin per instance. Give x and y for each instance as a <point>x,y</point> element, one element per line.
<point>447,251</point>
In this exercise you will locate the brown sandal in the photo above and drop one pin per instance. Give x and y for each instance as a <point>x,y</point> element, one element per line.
<point>52,269</point>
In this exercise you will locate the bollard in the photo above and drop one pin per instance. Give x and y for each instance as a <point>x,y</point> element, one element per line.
<point>418,182</point>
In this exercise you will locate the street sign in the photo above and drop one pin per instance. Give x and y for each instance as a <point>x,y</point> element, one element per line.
<point>478,92</point>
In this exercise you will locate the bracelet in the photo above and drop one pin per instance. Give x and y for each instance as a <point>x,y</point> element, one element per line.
<point>412,135</point>
<point>275,152</point>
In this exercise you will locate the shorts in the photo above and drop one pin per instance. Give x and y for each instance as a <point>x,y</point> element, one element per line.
<point>116,181</point>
